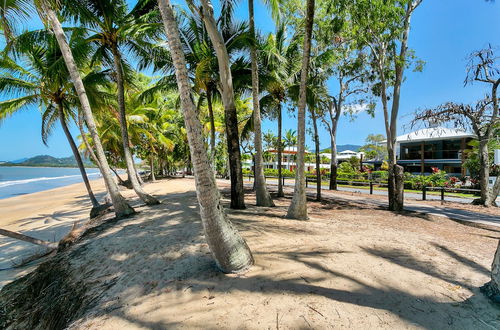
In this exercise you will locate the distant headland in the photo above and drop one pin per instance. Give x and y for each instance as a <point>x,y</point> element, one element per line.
<point>47,161</point>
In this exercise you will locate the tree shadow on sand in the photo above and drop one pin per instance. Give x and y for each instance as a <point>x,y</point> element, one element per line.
<point>110,261</point>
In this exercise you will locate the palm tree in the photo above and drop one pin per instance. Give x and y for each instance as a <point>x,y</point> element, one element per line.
<point>282,65</point>
<point>317,103</point>
<point>203,67</point>
<point>229,249</point>
<point>262,195</point>
<point>42,79</point>
<point>317,94</point>
<point>290,139</point>
<point>121,207</point>
<point>298,206</point>
<point>12,13</point>
<point>228,99</point>
<point>115,29</point>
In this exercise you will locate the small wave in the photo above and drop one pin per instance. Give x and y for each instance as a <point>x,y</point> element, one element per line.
<point>16,182</point>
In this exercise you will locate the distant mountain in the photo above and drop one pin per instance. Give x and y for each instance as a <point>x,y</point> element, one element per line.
<point>17,161</point>
<point>48,161</point>
<point>344,147</point>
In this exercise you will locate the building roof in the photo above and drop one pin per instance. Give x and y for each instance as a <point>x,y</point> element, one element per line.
<point>287,150</point>
<point>347,152</point>
<point>434,133</point>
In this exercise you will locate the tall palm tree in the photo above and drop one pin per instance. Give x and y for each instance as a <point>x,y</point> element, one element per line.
<point>121,207</point>
<point>298,206</point>
<point>262,195</point>
<point>228,99</point>
<point>38,76</point>
<point>317,104</point>
<point>229,249</point>
<point>114,29</point>
<point>282,65</point>
<point>203,65</point>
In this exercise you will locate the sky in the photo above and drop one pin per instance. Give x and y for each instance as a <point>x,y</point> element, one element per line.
<point>443,33</point>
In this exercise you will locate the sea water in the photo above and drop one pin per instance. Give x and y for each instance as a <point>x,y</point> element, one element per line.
<point>18,180</point>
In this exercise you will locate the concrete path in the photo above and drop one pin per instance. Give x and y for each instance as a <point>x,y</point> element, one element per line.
<point>410,205</point>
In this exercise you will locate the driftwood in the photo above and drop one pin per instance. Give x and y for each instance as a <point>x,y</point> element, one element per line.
<point>28,239</point>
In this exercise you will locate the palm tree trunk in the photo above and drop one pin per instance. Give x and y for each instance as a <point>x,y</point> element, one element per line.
<point>228,248</point>
<point>121,207</point>
<point>77,156</point>
<point>152,167</point>
<point>298,207</point>
<point>212,125</point>
<point>233,140</point>
<point>261,193</point>
<point>129,160</point>
<point>118,177</point>
<point>280,152</point>
<point>318,160</point>
<point>139,177</point>
<point>29,239</point>
<point>85,140</point>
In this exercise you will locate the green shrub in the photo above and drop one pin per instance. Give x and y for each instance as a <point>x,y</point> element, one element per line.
<point>346,167</point>
<point>274,172</point>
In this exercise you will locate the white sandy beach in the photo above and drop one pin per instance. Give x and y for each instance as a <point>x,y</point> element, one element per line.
<point>47,215</point>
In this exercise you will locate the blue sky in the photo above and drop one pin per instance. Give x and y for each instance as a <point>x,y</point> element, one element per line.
<point>443,33</point>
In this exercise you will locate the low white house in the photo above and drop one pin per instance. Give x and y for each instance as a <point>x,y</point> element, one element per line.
<point>348,154</point>
<point>288,159</point>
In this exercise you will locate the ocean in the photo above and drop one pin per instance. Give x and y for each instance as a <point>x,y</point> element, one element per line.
<point>17,180</point>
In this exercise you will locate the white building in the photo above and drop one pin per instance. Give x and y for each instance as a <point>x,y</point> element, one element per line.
<point>288,159</point>
<point>440,147</point>
<point>347,154</point>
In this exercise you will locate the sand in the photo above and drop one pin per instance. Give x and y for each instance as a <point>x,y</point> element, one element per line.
<point>350,266</point>
<point>47,215</point>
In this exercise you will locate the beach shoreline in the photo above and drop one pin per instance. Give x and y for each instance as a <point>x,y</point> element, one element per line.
<point>47,215</point>
<point>21,181</point>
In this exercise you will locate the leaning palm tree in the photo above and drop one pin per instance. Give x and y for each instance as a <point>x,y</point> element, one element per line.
<point>38,76</point>
<point>229,249</point>
<point>298,206</point>
<point>114,30</point>
<point>205,11</point>
<point>202,63</point>
<point>48,14</point>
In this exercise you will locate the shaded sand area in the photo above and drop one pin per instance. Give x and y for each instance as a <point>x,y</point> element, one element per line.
<point>352,265</point>
<point>47,215</point>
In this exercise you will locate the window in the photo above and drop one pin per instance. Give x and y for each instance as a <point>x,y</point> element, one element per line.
<point>412,151</point>
<point>451,149</point>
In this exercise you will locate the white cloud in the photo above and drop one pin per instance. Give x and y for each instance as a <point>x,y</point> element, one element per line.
<point>356,108</point>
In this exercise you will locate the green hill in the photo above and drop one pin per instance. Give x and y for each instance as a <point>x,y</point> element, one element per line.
<point>49,161</point>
